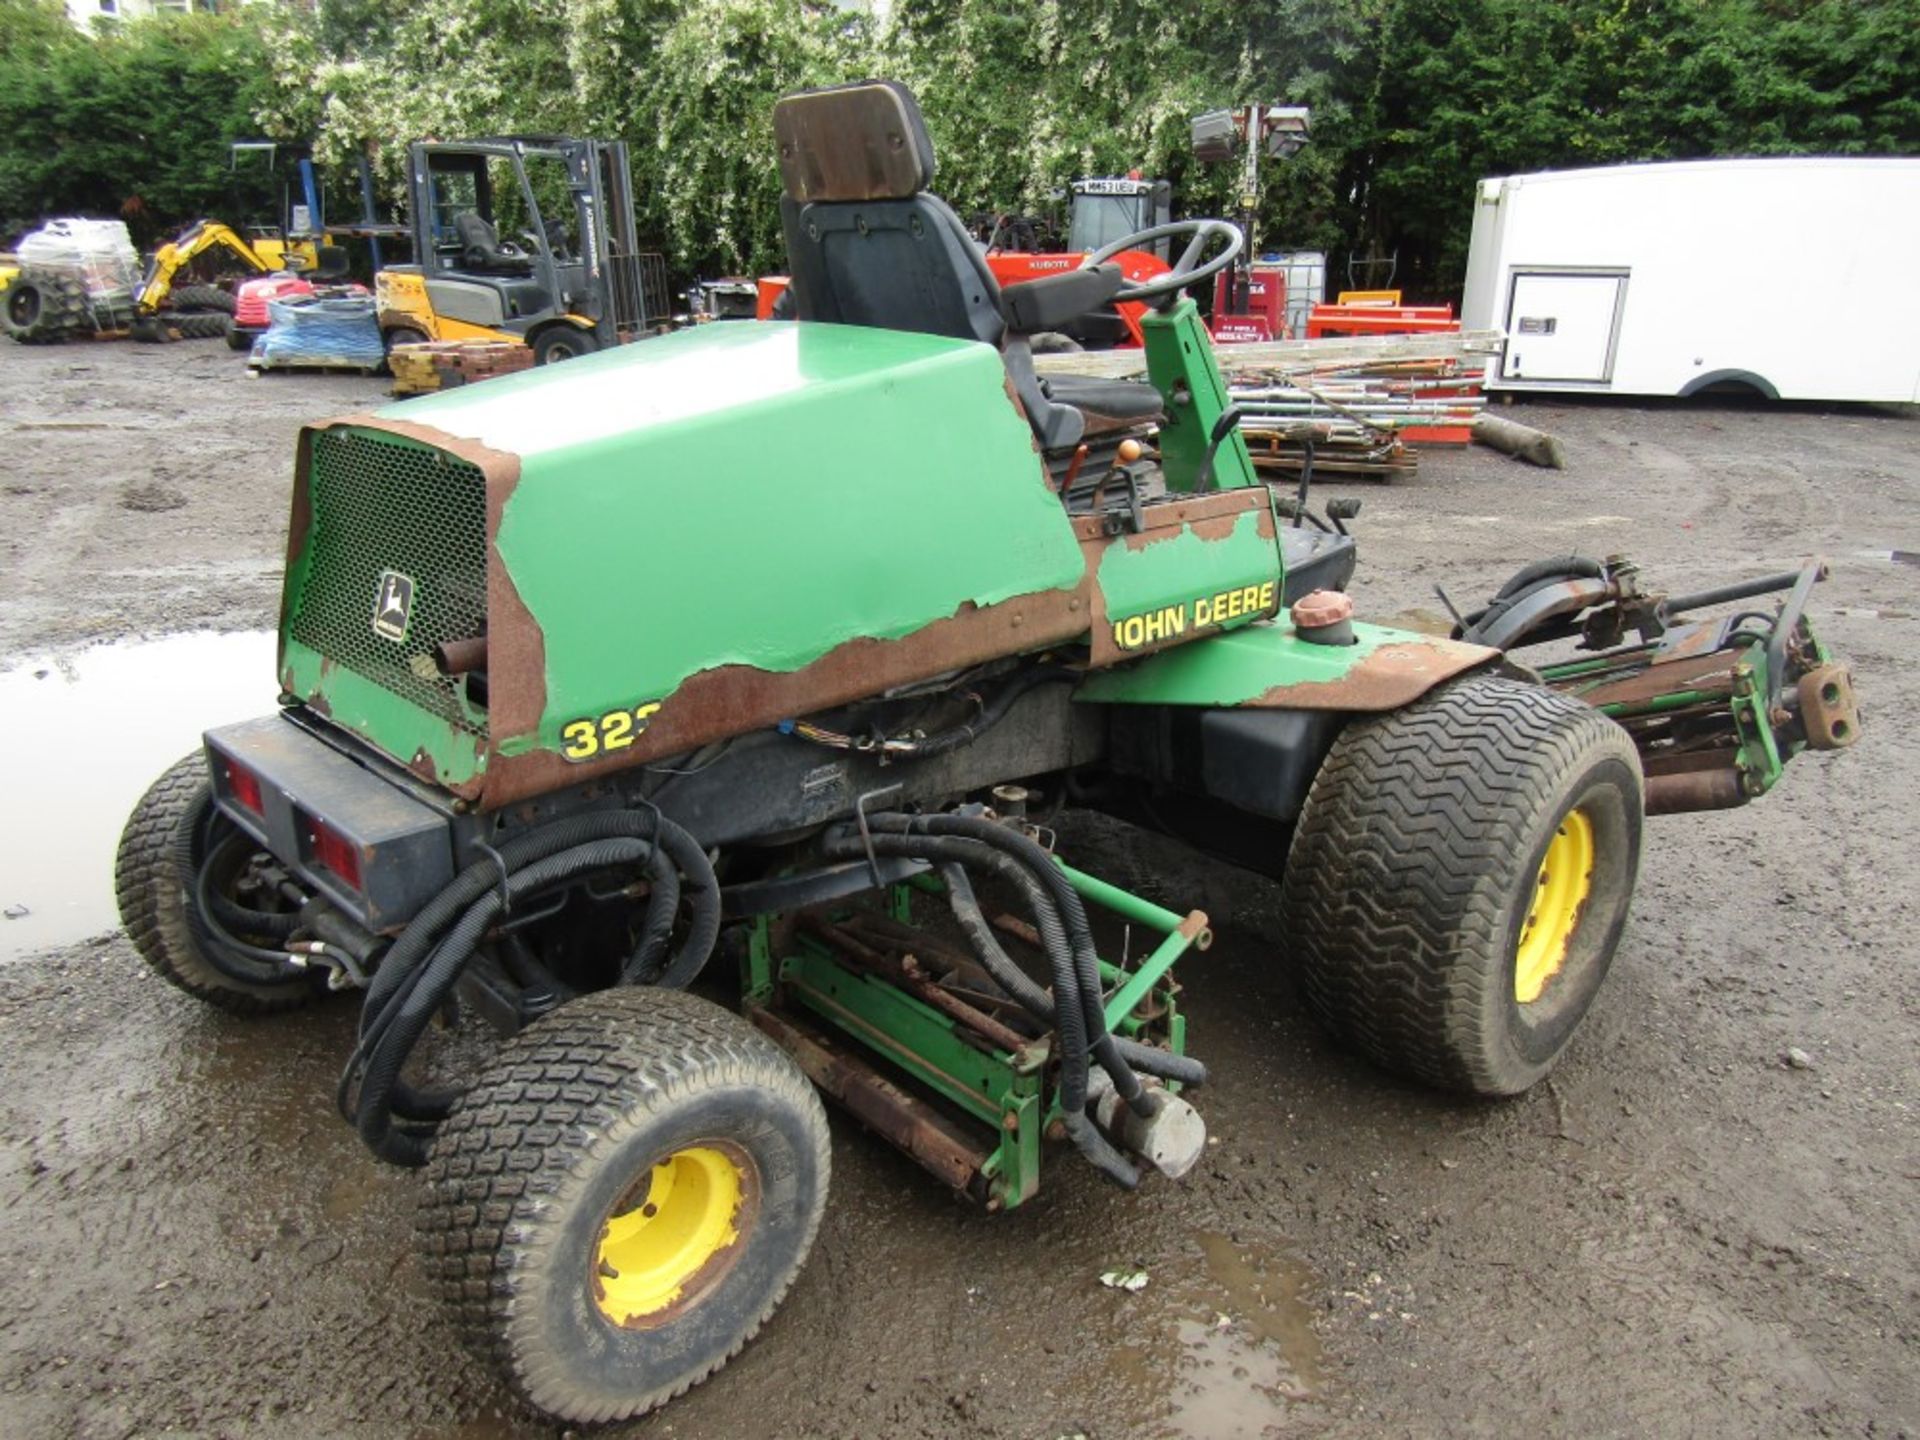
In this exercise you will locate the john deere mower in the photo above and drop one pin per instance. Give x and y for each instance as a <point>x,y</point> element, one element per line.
<point>692,713</point>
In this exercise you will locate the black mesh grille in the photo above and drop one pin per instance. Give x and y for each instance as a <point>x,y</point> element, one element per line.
<point>381,505</point>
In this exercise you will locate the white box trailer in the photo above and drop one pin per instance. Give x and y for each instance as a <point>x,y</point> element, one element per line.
<point>1798,279</point>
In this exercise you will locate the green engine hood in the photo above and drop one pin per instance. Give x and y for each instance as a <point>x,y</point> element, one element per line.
<point>710,530</point>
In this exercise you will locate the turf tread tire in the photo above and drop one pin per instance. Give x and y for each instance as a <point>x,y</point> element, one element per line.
<point>1419,832</point>
<point>153,900</point>
<point>558,1101</point>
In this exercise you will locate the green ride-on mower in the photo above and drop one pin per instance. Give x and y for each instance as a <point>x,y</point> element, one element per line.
<point>753,656</point>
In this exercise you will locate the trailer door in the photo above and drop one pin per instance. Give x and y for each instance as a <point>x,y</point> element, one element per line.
<point>1563,325</point>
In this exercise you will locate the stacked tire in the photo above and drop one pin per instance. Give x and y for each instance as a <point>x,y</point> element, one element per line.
<point>43,307</point>
<point>202,298</point>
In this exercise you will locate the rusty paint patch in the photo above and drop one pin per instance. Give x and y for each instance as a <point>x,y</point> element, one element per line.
<point>1210,517</point>
<point>904,1120</point>
<point>1392,676</point>
<point>1684,791</point>
<point>1712,672</point>
<point>732,699</point>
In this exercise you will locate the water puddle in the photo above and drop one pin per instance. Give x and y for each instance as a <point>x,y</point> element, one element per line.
<point>82,735</point>
<point>1236,1352</point>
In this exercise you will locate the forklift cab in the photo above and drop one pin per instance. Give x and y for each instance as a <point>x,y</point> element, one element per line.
<point>476,233</point>
<point>519,237</point>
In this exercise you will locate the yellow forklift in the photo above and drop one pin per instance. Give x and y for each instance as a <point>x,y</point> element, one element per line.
<point>527,239</point>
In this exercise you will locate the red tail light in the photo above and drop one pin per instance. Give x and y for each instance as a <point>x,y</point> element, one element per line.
<point>335,851</point>
<point>243,785</point>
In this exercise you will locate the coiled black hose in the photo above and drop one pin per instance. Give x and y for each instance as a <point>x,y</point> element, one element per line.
<point>1149,1059</point>
<point>1066,937</point>
<point>233,957</point>
<point>1523,582</point>
<point>395,1119</point>
<point>1079,933</point>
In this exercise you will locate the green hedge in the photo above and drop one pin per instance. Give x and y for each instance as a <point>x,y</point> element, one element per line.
<point>1413,99</point>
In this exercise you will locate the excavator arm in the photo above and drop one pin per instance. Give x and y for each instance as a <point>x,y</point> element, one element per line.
<point>170,259</point>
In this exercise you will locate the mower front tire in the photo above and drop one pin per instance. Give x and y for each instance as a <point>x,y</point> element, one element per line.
<point>622,1199</point>
<point>1460,878</point>
<point>171,831</point>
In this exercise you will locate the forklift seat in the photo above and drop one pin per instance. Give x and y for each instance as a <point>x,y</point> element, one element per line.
<point>333,263</point>
<point>868,245</point>
<point>480,249</point>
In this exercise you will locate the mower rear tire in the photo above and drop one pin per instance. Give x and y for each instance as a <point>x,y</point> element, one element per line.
<point>563,342</point>
<point>176,819</point>
<point>1460,878</point>
<point>623,1198</point>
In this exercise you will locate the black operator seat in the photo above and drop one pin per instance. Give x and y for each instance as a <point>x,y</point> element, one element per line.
<point>867,245</point>
<point>480,248</point>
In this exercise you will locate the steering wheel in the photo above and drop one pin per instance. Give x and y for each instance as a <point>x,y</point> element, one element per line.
<point>1189,269</point>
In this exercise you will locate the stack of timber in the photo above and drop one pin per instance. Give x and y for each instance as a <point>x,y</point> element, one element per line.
<point>1357,404</point>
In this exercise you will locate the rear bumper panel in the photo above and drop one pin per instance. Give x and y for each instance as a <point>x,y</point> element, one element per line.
<point>404,843</point>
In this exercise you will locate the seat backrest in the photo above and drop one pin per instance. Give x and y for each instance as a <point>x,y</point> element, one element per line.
<point>333,262</point>
<point>480,247</point>
<point>866,243</point>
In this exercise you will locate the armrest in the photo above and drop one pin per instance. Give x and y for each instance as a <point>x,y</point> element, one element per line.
<point>1053,300</point>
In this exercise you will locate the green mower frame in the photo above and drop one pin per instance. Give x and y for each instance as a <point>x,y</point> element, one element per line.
<point>778,643</point>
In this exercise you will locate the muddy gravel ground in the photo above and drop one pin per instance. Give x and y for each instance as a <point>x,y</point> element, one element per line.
<point>1682,1233</point>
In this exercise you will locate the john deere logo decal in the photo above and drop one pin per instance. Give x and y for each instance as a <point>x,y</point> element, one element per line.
<point>393,606</point>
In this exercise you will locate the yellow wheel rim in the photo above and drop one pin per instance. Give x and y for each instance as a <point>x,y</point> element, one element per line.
<point>1559,892</point>
<point>667,1230</point>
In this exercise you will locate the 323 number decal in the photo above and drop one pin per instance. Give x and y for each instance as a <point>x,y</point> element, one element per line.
<point>615,730</point>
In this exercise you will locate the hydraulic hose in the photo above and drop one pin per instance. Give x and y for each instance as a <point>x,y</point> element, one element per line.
<point>233,957</point>
<point>991,714</point>
<point>423,932</point>
<point>414,1009</point>
<point>1557,568</point>
<point>1526,579</point>
<point>1069,1022</point>
<point>395,1119</point>
<point>1079,932</point>
<point>1010,977</point>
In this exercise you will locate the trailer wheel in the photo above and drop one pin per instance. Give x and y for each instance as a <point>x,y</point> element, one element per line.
<point>1460,878</point>
<point>175,820</point>
<point>622,1200</point>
